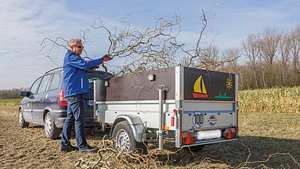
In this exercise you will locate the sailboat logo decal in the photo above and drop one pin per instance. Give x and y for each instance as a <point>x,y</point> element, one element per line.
<point>200,89</point>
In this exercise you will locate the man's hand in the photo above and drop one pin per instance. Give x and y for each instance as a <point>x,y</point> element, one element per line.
<point>106,58</point>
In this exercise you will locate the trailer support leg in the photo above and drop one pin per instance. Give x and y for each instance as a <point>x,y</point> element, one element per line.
<point>161,94</point>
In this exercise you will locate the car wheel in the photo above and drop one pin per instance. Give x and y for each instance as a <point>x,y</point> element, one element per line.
<point>50,128</point>
<point>123,137</point>
<point>22,122</point>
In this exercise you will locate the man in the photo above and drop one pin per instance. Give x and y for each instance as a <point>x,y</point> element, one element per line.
<point>76,85</point>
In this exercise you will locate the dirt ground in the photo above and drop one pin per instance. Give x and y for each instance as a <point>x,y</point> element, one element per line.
<point>269,140</point>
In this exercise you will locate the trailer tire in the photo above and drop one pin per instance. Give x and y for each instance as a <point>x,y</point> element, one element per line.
<point>123,137</point>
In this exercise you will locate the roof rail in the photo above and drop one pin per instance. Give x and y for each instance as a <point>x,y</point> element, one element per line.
<point>53,69</point>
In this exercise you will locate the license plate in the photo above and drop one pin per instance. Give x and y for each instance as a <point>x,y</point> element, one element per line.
<point>90,102</point>
<point>210,134</point>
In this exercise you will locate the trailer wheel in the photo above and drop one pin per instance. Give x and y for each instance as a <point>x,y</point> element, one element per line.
<point>50,128</point>
<point>123,137</point>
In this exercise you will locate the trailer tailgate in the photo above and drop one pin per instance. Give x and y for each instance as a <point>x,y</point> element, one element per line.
<point>207,107</point>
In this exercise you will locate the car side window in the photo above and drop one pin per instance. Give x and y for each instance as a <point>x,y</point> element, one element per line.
<point>55,81</point>
<point>35,86</point>
<point>44,84</point>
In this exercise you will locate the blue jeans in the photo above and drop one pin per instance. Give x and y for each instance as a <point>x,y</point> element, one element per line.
<point>75,113</point>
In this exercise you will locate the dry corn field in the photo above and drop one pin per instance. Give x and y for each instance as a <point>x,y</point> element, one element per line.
<point>280,100</point>
<point>269,126</point>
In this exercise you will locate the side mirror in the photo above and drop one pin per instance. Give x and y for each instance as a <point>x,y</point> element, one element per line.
<point>25,93</point>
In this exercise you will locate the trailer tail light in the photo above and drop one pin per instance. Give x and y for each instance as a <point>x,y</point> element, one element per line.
<point>61,100</point>
<point>188,138</point>
<point>173,114</point>
<point>230,133</point>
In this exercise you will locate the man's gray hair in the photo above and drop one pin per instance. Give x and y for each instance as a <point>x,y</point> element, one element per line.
<point>74,42</point>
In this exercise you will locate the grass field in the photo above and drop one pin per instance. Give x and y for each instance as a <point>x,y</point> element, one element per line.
<point>9,102</point>
<point>269,127</point>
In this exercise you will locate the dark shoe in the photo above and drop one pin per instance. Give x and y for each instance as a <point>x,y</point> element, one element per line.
<point>68,148</point>
<point>87,148</point>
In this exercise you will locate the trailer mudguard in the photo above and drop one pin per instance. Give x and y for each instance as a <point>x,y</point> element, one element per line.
<point>136,124</point>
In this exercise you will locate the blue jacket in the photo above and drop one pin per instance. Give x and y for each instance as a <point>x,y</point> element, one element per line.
<point>75,77</point>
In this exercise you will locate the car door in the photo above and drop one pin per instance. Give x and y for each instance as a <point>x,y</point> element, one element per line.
<point>38,104</point>
<point>27,102</point>
<point>51,98</point>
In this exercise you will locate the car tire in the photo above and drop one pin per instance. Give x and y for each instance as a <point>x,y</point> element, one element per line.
<point>123,137</point>
<point>50,128</point>
<point>22,123</point>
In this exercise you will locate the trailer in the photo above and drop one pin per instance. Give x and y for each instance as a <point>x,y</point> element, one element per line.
<point>187,107</point>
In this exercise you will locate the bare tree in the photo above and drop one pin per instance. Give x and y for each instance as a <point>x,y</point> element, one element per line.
<point>251,50</point>
<point>284,50</point>
<point>149,48</point>
<point>210,58</point>
<point>155,47</point>
<point>234,54</point>
<point>269,43</point>
<point>269,46</point>
<point>295,51</point>
<point>201,56</point>
<point>269,49</point>
<point>137,49</point>
<point>159,47</point>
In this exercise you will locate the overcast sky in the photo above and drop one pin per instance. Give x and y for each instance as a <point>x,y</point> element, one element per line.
<point>24,24</point>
